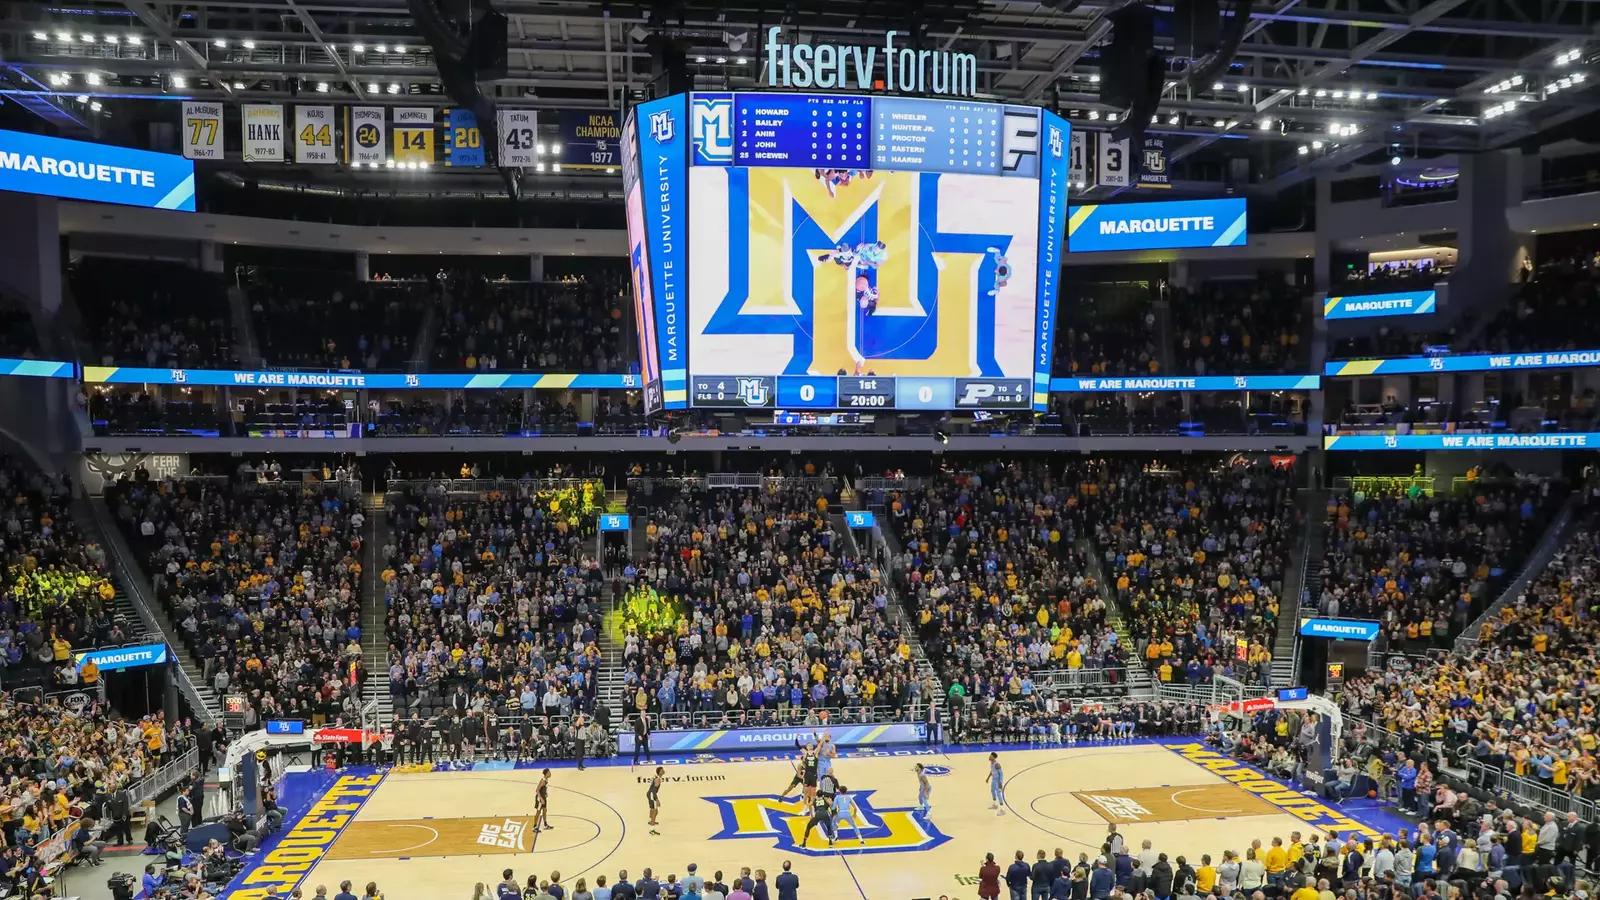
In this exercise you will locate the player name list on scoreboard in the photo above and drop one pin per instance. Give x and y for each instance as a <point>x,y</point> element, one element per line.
<point>801,130</point>
<point>935,135</point>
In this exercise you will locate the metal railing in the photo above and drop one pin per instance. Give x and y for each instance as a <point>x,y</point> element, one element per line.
<point>139,597</point>
<point>1526,790</point>
<point>485,485</point>
<point>879,483</point>
<point>1554,539</point>
<point>152,786</point>
<point>1078,681</point>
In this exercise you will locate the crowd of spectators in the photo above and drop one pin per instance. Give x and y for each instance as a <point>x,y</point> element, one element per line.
<point>692,885</point>
<point>1191,413</point>
<point>264,583</point>
<point>1197,556</point>
<point>565,326</point>
<point>1424,564</point>
<point>1514,700</point>
<point>1557,309</point>
<point>750,607</point>
<point>1110,332</point>
<point>494,601</point>
<point>56,592</point>
<point>321,320</point>
<point>1399,275</point>
<point>1243,327</point>
<point>997,583</point>
<point>154,314</point>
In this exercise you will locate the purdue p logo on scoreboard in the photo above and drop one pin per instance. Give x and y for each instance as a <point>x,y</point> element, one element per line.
<point>1021,144</point>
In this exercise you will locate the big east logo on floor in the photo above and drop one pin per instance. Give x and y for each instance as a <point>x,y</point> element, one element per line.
<point>281,869</point>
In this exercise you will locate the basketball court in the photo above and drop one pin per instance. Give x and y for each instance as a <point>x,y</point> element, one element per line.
<point>424,835</point>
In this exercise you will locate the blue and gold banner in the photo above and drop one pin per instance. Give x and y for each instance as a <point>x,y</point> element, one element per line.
<point>1366,306</point>
<point>1339,629</point>
<point>356,380</point>
<point>1163,225</point>
<point>1473,362</point>
<point>1192,383</point>
<point>664,143</point>
<point>1583,440</point>
<point>776,739</point>
<point>463,142</point>
<point>590,138</point>
<point>37,368</point>
<point>79,170</point>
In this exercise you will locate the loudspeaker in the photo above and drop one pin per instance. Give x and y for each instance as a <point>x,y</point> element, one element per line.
<point>488,51</point>
<point>1124,62</point>
<point>1196,27</point>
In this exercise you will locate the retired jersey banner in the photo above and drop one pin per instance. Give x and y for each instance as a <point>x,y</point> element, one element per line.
<point>364,136</point>
<point>202,130</point>
<point>1163,225</point>
<point>313,135</point>
<point>519,137</point>
<point>1114,162</point>
<point>1078,159</point>
<point>463,141</point>
<point>1153,164</point>
<point>413,135</point>
<point>590,138</point>
<point>262,124</point>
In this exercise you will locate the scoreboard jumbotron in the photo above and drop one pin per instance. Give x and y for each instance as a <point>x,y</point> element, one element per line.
<point>806,251</point>
<point>866,393</point>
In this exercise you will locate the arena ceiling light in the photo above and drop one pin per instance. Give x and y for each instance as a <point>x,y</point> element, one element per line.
<point>249,45</point>
<point>40,36</point>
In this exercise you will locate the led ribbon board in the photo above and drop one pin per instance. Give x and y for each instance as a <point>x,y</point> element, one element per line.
<point>78,170</point>
<point>1164,225</point>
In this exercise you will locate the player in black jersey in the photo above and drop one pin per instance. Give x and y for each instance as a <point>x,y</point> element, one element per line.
<point>821,814</point>
<point>652,796</point>
<point>805,772</point>
<point>541,804</point>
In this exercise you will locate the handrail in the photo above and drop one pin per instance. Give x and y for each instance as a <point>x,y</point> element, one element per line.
<point>133,580</point>
<point>1554,539</point>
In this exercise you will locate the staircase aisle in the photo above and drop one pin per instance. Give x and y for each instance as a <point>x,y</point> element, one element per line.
<point>1303,580</point>
<point>899,612</point>
<point>135,598</point>
<point>1140,684</point>
<point>374,611</point>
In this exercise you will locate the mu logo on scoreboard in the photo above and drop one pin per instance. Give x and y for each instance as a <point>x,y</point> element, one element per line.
<point>863,269</point>
<point>895,830</point>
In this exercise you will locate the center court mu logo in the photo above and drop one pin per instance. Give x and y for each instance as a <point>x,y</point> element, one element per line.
<point>894,830</point>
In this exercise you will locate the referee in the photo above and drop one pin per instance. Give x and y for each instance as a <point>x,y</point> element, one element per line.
<point>641,738</point>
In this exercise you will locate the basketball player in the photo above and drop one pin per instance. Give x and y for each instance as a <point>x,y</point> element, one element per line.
<point>844,255</point>
<point>924,791</point>
<point>805,773</point>
<point>844,813</point>
<point>821,814</point>
<point>541,804</point>
<point>1002,271</point>
<point>997,785</point>
<point>652,796</point>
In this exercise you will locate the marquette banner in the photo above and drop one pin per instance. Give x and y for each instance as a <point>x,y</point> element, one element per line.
<point>1153,164</point>
<point>519,137</point>
<point>262,124</point>
<point>463,142</point>
<point>202,130</point>
<point>354,380</point>
<point>1054,182</point>
<point>776,740</point>
<point>1476,362</point>
<point>590,138</point>
<point>1163,225</point>
<point>118,658</point>
<point>36,368</point>
<point>78,170</point>
<point>664,141</point>
<point>313,135</point>
<point>1340,629</point>
<point>1366,306</point>
<point>1192,383</point>
<point>1586,440</point>
<point>413,135</point>
<point>364,136</point>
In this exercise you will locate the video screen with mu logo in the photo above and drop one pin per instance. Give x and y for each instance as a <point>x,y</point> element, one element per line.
<point>871,253</point>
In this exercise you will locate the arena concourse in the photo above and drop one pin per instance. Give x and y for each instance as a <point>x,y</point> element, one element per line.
<point>1026,450</point>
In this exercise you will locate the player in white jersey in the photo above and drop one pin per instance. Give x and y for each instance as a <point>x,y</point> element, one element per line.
<point>924,791</point>
<point>997,785</point>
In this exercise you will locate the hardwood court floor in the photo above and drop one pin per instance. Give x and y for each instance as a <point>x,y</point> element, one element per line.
<point>427,836</point>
